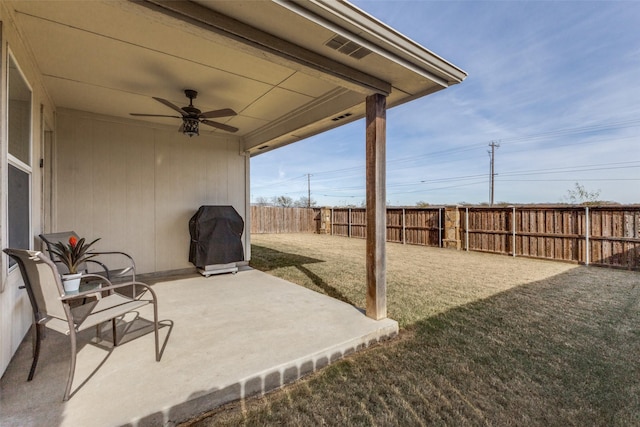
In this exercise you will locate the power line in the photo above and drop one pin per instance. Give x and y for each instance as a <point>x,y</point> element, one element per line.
<point>586,168</point>
<point>571,180</point>
<point>526,138</point>
<point>581,168</point>
<point>346,174</point>
<point>568,131</point>
<point>357,171</point>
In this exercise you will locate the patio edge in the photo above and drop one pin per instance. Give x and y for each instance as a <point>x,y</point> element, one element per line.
<point>268,380</point>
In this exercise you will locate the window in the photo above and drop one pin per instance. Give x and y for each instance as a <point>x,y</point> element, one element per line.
<point>19,169</point>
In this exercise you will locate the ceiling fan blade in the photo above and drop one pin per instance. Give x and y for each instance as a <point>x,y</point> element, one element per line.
<point>153,115</point>
<point>170,105</point>
<point>220,126</point>
<point>181,128</point>
<point>225,112</point>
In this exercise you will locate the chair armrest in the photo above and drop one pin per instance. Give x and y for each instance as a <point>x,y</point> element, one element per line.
<point>115,253</point>
<point>132,266</point>
<point>110,287</point>
<point>90,292</point>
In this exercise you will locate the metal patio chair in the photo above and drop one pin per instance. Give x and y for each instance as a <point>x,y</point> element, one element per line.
<point>51,238</point>
<point>52,307</point>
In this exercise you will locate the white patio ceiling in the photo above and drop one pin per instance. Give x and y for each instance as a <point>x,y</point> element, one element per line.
<point>267,60</point>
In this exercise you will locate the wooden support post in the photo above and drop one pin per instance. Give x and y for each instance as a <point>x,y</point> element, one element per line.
<point>376,206</point>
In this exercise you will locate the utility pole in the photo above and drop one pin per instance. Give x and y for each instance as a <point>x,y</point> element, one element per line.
<point>492,156</point>
<point>308,190</point>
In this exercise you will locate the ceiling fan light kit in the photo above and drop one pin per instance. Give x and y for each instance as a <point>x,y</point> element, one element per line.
<point>191,127</point>
<point>192,116</point>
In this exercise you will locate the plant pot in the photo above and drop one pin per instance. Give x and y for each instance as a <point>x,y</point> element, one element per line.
<point>71,282</point>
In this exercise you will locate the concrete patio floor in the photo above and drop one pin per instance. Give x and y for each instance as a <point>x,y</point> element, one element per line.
<point>227,337</point>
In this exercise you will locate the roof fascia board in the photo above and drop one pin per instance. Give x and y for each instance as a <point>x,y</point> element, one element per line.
<point>387,42</point>
<point>259,43</point>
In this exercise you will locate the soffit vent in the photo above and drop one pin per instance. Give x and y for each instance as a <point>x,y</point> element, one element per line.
<point>342,117</point>
<point>347,47</point>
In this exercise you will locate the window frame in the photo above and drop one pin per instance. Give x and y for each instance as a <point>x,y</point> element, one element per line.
<point>14,161</point>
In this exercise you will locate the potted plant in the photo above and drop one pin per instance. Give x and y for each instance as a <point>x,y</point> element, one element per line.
<point>73,254</point>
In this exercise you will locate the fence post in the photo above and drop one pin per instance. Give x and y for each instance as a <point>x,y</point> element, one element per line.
<point>466,229</point>
<point>439,227</point>
<point>349,223</point>
<point>452,226</point>
<point>332,221</point>
<point>513,224</point>
<point>325,220</point>
<point>587,232</point>
<point>404,231</point>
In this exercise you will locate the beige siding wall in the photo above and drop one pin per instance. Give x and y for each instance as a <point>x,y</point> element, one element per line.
<point>133,185</point>
<point>136,186</point>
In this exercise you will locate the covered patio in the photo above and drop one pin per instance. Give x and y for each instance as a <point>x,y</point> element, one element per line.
<point>96,141</point>
<point>227,337</point>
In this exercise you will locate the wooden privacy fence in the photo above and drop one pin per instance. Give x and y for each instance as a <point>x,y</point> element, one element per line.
<point>414,226</point>
<point>269,219</point>
<point>604,236</point>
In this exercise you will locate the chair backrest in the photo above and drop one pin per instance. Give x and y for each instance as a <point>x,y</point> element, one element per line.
<point>42,281</point>
<point>52,238</point>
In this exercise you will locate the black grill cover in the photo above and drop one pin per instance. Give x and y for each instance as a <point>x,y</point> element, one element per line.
<point>216,236</point>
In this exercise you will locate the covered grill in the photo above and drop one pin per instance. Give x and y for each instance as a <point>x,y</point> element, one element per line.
<point>216,239</point>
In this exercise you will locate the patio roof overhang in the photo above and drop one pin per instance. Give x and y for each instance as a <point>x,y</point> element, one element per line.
<point>290,69</point>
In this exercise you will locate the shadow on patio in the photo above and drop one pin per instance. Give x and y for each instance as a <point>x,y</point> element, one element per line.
<point>228,337</point>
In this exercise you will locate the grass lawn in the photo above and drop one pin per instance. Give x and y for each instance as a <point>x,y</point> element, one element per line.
<point>485,340</point>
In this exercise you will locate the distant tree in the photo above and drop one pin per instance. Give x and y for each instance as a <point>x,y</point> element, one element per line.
<point>304,202</point>
<point>283,201</point>
<point>262,201</point>
<point>581,196</point>
<point>422,204</point>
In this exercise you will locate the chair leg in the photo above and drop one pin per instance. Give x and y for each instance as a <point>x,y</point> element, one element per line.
<point>36,350</point>
<point>113,327</point>
<point>72,365</point>
<point>155,326</point>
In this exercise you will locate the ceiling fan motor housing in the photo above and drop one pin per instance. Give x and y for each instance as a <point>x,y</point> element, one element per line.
<point>190,109</point>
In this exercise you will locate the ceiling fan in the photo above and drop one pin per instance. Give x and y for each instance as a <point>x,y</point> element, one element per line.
<point>192,117</point>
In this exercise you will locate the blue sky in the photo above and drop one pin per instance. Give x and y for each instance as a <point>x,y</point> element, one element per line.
<point>556,84</point>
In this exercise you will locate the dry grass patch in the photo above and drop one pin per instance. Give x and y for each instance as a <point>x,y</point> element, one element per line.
<point>486,340</point>
<point>421,281</point>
